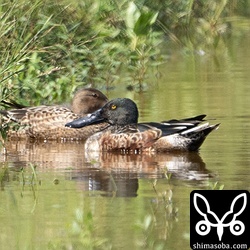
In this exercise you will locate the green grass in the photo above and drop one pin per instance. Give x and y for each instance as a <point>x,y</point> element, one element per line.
<point>50,48</point>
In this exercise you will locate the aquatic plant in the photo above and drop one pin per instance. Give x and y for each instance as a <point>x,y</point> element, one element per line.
<point>81,234</point>
<point>155,228</point>
<point>216,186</point>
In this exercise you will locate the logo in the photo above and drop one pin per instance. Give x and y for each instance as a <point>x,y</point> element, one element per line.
<point>219,218</point>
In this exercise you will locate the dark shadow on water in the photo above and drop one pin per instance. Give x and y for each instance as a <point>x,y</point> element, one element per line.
<point>111,184</point>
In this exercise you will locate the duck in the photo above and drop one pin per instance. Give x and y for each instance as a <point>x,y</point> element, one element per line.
<point>48,122</point>
<point>123,132</point>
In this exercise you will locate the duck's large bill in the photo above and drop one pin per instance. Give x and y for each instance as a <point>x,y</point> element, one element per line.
<point>87,120</point>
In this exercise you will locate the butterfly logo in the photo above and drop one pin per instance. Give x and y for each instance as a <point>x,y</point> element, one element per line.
<point>203,227</point>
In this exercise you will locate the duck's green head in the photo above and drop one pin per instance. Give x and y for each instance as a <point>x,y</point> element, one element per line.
<point>120,111</point>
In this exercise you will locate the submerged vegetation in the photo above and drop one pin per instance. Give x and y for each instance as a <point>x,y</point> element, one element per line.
<point>49,48</point>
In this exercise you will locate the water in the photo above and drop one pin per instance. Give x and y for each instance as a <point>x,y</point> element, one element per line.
<point>56,196</point>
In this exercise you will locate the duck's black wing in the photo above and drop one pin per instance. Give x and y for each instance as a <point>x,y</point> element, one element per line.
<point>173,126</point>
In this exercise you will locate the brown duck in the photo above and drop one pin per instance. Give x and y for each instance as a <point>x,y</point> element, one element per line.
<point>125,134</point>
<point>48,122</point>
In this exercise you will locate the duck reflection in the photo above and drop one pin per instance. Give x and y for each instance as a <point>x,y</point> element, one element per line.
<point>109,183</point>
<point>183,165</point>
<point>110,173</point>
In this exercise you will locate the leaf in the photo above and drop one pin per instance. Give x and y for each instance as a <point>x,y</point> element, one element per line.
<point>132,15</point>
<point>144,23</point>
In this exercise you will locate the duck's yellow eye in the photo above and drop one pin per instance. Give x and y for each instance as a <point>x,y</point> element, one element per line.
<point>113,107</point>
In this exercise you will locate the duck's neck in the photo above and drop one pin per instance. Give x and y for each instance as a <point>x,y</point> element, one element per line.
<point>131,128</point>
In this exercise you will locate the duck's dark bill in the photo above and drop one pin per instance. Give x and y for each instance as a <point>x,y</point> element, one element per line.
<point>85,121</point>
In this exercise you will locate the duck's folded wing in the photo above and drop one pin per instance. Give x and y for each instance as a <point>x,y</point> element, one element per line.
<point>173,126</point>
<point>166,128</point>
<point>194,120</point>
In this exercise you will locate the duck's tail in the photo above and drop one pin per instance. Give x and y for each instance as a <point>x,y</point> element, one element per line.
<point>198,134</point>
